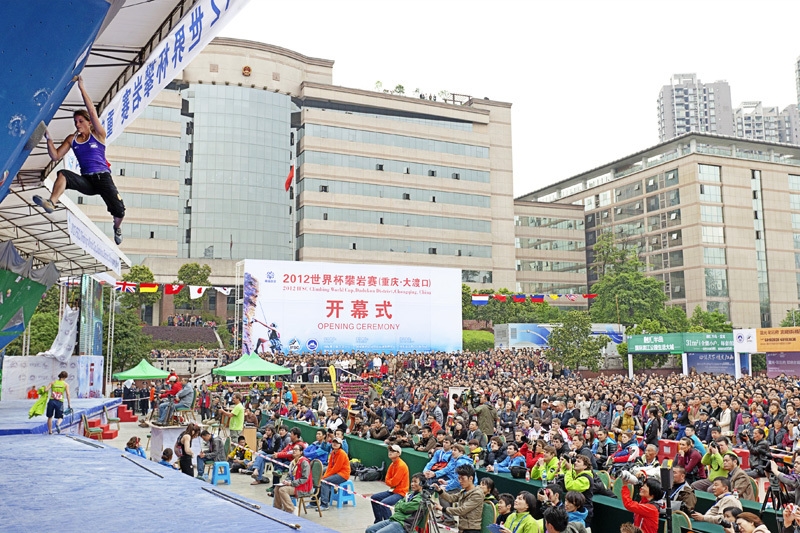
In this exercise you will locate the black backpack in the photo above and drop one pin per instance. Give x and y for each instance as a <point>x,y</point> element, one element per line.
<point>372,473</point>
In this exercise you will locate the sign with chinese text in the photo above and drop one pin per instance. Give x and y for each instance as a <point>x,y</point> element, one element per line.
<point>783,363</point>
<point>708,342</point>
<point>713,363</point>
<point>201,23</point>
<point>322,307</point>
<point>656,343</point>
<point>778,339</point>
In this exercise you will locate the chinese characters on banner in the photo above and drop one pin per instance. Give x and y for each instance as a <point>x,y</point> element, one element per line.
<point>201,23</point>
<point>320,307</point>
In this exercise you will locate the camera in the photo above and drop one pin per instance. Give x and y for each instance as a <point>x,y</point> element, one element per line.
<point>733,525</point>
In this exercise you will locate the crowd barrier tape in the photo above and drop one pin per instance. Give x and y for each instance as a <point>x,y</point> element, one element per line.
<point>337,487</point>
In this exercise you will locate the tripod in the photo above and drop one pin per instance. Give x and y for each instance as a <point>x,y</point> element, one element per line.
<point>426,513</point>
<point>777,492</point>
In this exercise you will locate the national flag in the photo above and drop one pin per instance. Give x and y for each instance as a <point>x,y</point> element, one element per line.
<point>172,288</point>
<point>148,287</point>
<point>224,290</point>
<point>480,299</point>
<point>499,297</point>
<point>125,286</point>
<point>196,291</point>
<point>571,297</point>
<point>537,298</point>
<point>555,296</point>
<point>519,298</point>
<point>289,178</point>
<point>589,296</point>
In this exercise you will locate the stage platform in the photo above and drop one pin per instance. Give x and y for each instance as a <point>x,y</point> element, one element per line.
<point>14,415</point>
<point>65,483</point>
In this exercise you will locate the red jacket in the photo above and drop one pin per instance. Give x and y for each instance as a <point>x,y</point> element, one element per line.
<point>530,460</point>
<point>286,452</point>
<point>645,514</point>
<point>176,388</point>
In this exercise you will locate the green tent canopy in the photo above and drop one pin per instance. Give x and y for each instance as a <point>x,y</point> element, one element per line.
<point>143,370</point>
<point>251,365</point>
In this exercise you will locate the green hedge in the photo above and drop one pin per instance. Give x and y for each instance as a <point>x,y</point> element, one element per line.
<point>477,341</point>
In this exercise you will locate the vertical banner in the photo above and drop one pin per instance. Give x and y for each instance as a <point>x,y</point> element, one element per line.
<point>91,321</point>
<point>322,307</point>
<point>201,23</point>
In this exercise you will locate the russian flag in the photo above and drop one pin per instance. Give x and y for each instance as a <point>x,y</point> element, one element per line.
<point>519,298</point>
<point>480,299</point>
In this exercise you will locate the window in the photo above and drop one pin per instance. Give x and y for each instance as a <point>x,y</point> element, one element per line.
<point>432,251</point>
<point>354,246</point>
<point>794,182</point>
<point>456,176</point>
<point>796,221</point>
<point>432,173</point>
<point>794,201</point>
<point>714,256</point>
<point>323,188</point>
<point>711,213</point>
<point>80,200</point>
<point>381,220</point>
<point>710,193</point>
<point>324,216</point>
<point>379,167</point>
<point>716,282</point>
<point>152,234</point>
<point>713,235</point>
<point>709,173</point>
<point>433,199</point>
<point>406,196</point>
<point>122,172</point>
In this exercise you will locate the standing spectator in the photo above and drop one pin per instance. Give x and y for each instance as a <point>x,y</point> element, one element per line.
<point>236,423</point>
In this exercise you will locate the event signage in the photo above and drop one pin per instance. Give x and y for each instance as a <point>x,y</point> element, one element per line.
<point>681,343</point>
<point>712,363</point>
<point>656,343</point>
<point>201,23</point>
<point>778,339</point>
<point>322,307</point>
<point>744,340</point>
<point>783,363</point>
<point>81,235</point>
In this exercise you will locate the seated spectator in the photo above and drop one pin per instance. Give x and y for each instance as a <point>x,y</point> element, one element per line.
<point>681,491</point>
<point>298,484</point>
<point>645,514</point>
<point>513,458</point>
<point>404,511</point>
<point>338,472</point>
<point>378,431</point>
<point>748,523</point>
<point>713,460</point>
<point>134,446</point>
<point>547,467</point>
<point>240,455</point>
<point>397,481</point>
<point>476,453</point>
<point>505,506</point>
<point>522,520</point>
<point>606,447</point>
<point>760,454</point>
<point>551,495</point>
<point>319,449</point>
<point>627,452</point>
<point>440,458</point>
<point>721,488</point>
<point>557,520</point>
<point>496,452</point>
<point>214,454</point>
<point>490,493</point>
<point>166,459</point>
<point>468,501</point>
<point>574,504</point>
<point>426,440</point>
<point>740,481</point>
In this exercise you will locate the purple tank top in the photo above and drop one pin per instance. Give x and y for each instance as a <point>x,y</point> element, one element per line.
<point>91,155</point>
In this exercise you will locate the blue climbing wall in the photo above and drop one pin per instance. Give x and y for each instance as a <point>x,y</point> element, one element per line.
<point>44,43</point>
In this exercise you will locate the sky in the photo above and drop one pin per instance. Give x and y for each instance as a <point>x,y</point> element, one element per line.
<point>583,77</point>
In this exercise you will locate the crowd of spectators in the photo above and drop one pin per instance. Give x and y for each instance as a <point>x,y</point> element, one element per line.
<point>520,414</point>
<point>189,321</point>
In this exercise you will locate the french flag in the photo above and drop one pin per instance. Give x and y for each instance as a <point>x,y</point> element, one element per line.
<point>480,299</point>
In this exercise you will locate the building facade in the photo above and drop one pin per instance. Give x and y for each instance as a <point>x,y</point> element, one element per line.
<point>688,105</point>
<point>378,178</point>
<point>755,121</point>
<point>716,218</point>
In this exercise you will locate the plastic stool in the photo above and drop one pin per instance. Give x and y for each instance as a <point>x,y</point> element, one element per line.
<point>221,473</point>
<point>342,496</point>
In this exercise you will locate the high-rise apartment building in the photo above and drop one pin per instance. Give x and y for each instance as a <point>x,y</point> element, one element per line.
<point>688,105</point>
<point>755,121</point>
<point>716,219</point>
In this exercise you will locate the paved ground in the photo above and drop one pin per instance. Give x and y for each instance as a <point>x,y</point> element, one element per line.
<point>347,519</point>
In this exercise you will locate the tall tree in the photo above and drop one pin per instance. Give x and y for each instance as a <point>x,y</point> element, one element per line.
<point>674,319</point>
<point>137,300</point>
<point>608,254</point>
<point>626,295</point>
<point>709,322</point>
<point>791,319</point>
<point>192,274</point>
<point>130,344</point>
<point>572,344</point>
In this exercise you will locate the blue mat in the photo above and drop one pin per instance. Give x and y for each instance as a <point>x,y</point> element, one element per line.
<point>14,415</point>
<point>62,483</point>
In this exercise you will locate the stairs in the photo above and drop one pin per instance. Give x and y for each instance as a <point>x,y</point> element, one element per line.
<point>126,415</point>
<point>108,433</point>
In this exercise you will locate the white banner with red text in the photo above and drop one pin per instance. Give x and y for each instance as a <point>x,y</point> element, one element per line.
<point>304,307</point>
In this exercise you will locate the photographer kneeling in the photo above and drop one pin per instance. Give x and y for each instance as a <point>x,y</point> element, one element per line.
<point>404,510</point>
<point>469,500</point>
